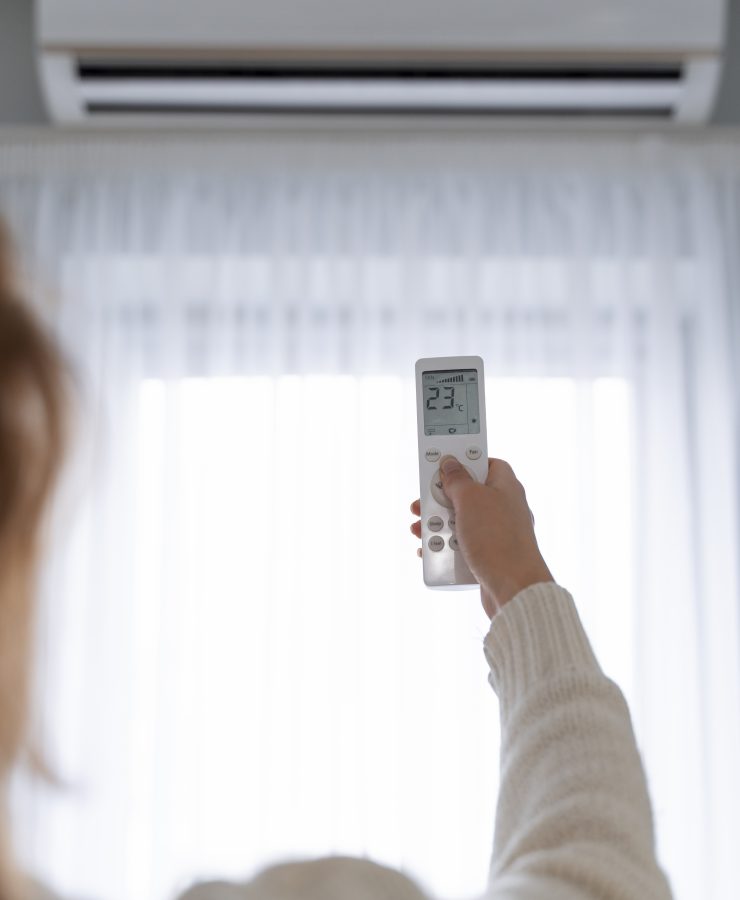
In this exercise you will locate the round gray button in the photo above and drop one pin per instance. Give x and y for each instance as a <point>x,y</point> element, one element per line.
<point>473,453</point>
<point>432,455</point>
<point>435,543</point>
<point>454,544</point>
<point>435,524</point>
<point>453,521</point>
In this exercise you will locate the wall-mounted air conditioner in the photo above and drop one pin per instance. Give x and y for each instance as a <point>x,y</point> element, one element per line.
<point>186,62</point>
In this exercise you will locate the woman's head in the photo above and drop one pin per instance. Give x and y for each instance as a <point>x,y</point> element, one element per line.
<point>32,430</point>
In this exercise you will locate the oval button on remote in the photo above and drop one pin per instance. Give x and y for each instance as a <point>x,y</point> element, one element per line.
<point>435,543</point>
<point>473,453</point>
<point>435,524</point>
<point>432,455</point>
<point>437,492</point>
<point>454,544</point>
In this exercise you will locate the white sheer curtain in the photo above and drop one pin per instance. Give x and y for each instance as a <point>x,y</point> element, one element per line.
<point>237,660</point>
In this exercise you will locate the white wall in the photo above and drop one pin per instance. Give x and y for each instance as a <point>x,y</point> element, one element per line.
<point>727,110</point>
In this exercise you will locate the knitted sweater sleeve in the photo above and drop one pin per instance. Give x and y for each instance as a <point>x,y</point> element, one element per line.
<point>573,820</point>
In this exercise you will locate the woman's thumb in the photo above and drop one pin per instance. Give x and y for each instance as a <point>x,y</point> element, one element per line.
<point>453,473</point>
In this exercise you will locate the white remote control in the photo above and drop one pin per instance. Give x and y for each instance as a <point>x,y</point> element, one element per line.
<point>451,419</point>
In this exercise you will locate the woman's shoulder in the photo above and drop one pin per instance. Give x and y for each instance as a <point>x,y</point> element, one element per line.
<point>325,878</point>
<point>206,890</point>
<point>216,890</point>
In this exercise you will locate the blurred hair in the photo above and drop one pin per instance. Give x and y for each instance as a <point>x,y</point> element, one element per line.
<point>33,414</point>
<point>330,878</point>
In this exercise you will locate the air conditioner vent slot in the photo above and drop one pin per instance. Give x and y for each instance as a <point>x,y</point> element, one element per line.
<point>122,69</point>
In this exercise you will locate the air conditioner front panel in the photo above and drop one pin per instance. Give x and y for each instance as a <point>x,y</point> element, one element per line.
<point>505,25</point>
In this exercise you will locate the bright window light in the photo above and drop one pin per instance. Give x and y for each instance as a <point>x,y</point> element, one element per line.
<point>298,691</point>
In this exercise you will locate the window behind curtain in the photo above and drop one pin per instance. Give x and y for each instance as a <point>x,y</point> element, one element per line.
<point>272,679</point>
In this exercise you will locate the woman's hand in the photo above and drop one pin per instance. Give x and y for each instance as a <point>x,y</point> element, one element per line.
<point>495,529</point>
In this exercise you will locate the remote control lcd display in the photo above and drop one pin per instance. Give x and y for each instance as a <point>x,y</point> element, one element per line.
<point>451,402</point>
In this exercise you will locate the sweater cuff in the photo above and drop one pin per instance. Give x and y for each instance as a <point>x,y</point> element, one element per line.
<point>537,634</point>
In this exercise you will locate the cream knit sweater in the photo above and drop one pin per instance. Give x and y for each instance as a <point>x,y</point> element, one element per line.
<point>573,819</point>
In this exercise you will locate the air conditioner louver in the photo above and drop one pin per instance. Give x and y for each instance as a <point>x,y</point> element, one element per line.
<point>179,87</point>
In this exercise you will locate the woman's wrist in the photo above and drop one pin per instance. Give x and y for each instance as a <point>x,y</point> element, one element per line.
<point>503,589</point>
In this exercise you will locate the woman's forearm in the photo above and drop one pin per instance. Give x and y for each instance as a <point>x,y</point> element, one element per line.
<point>573,816</point>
